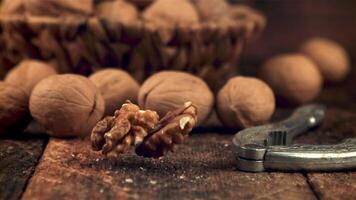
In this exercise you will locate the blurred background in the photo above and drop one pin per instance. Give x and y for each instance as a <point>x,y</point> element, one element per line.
<point>290,22</point>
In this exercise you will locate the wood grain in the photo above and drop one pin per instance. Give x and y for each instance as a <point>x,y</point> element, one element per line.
<point>18,159</point>
<point>203,168</point>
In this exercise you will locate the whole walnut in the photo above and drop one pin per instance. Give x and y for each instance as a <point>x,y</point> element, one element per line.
<point>244,102</point>
<point>212,10</point>
<point>116,86</point>
<point>10,7</point>
<point>52,8</point>
<point>329,56</point>
<point>168,90</point>
<point>14,113</point>
<point>66,105</point>
<point>28,73</point>
<point>117,11</point>
<point>294,78</point>
<point>169,13</point>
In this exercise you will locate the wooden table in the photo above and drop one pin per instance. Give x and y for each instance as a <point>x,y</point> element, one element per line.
<point>36,167</point>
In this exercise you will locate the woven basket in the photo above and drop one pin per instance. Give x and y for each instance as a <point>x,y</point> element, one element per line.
<point>83,45</point>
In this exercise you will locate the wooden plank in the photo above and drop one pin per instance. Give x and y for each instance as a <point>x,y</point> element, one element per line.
<point>18,159</point>
<point>339,124</point>
<point>203,168</point>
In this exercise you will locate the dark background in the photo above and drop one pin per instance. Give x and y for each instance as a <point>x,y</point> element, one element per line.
<point>290,22</point>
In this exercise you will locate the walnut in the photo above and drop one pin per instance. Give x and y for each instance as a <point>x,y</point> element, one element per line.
<point>171,130</point>
<point>294,78</point>
<point>28,73</point>
<point>53,8</point>
<point>117,11</point>
<point>116,86</point>
<point>14,113</point>
<point>213,10</point>
<point>168,90</point>
<point>329,56</point>
<point>115,135</point>
<point>131,126</point>
<point>10,7</point>
<point>170,13</point>
<point>244,102</point>
<point>66,105</point>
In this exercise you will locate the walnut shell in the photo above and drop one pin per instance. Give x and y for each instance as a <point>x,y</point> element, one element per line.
<point>294,78</point>
<point>169,13</point>
<point>9,7</point>
<point>244,102</point>
<point>117,11</point>
<point>14,113</point>
<point>53,8</point>
<point>28,73</point>
<point>168,90</point>
<point>212,10</point>
<point>329,56</point>
<point>116,86</point>
<point>66,105</point>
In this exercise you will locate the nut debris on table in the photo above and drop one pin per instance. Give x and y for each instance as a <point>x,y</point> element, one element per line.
<point>142,129</point>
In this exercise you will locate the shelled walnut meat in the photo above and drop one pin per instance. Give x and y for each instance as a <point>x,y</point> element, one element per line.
<point>28,73</point>
<point>14,112</point>
<point>116,86</point>
<point>66,105</point>
<point>168,90</point>
<point>142,129</point>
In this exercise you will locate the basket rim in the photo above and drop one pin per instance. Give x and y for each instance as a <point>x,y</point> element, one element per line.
<point>248,22</point>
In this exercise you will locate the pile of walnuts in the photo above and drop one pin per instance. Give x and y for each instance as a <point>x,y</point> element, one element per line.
<point>159,13</point>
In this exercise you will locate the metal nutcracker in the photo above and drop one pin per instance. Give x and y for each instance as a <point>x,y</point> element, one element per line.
<point>269,147</point>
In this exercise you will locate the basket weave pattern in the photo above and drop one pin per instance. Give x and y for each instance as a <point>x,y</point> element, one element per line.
<point>83,45</point>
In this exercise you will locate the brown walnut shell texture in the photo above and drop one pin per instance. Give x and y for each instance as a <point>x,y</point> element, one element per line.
<point>117,11</point>
<point>53,8</point>
<point>168,90</point>
<point>330,57</point>
<point>166,13</point>
<point>294,78</point>
<point>245,102</point>
<point>28,73</point>
<point>14,112</point>
<point>213,10</point>
<point>116,86</point>
<point>66,105</point>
